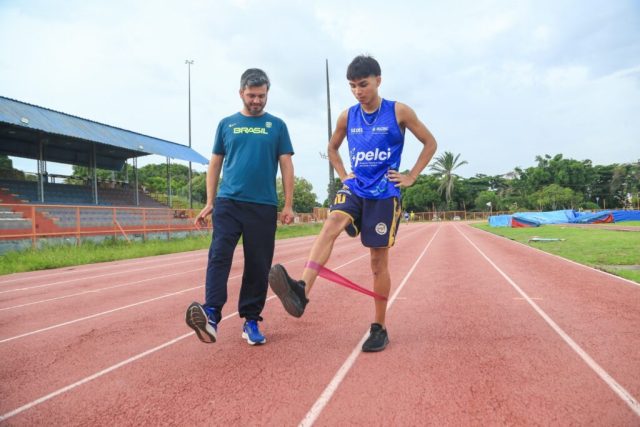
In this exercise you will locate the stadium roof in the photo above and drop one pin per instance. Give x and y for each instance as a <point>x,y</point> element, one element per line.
<point>69,139</point>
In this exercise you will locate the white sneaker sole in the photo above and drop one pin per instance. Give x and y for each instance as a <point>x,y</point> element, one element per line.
<point>246,337</point>
<point>197,320</point>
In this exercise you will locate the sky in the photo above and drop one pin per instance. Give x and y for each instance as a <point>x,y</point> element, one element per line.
<point>498,82</point>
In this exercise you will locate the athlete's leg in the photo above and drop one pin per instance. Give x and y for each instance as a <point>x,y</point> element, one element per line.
<point>294,294</point>
<point>323,245</point>
<point>381,281</point>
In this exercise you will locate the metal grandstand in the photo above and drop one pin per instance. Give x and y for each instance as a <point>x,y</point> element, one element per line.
<point>42,134</point>
<point>39,211</point>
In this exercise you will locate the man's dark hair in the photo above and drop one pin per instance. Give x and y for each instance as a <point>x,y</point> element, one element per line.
<point>254,77</point>
<point>363,66</point>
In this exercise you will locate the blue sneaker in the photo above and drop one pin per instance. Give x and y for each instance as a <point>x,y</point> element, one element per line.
<point>202,320</point>
<point>251,333</point>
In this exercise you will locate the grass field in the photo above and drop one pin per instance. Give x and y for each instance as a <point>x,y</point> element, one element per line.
<point>617,252</point>
<point>625,223</point>
<point>88,253</point>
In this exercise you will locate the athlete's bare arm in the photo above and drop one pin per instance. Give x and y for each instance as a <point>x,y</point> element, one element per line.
<point>407,119</point>
<point>334,144</point>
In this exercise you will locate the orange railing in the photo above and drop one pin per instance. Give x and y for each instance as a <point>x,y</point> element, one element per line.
<point>65,221</point>
<point>34,221</point>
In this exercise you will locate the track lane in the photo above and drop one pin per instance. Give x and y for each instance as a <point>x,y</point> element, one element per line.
<point>93,296</point>
<point>467,350</point>
<point>188,382</point>
<point>601,312</point>
<point>119,331</point>
<point>279,328</point>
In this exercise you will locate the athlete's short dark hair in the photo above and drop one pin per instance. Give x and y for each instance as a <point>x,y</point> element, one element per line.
<point>363,66</point>
<point>254,77</point>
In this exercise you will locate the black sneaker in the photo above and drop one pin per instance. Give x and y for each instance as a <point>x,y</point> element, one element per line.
<point>378,339</point>
<point>202,320</point>
<point>290,292</point>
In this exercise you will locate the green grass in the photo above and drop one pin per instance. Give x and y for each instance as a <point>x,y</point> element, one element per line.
<point>609,250</point>
<point>624,223</point>
<point>111,250</point>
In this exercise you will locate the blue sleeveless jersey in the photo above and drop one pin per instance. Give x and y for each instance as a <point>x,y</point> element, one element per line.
<point>375,146</point>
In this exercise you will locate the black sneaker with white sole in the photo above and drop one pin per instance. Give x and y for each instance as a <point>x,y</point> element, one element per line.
<point>202,320</point>
<point>290,292</point>
<point>378,339</point>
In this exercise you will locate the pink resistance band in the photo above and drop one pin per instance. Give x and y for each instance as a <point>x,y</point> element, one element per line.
<point>336,278</point>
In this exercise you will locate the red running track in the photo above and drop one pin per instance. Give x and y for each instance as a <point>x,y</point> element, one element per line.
<point>483,331</point>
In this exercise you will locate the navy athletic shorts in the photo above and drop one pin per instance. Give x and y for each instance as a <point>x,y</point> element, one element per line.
<point>376,220</point>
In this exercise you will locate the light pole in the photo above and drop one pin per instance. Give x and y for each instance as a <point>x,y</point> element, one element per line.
<point>189,62</point>
<point>332,192</point>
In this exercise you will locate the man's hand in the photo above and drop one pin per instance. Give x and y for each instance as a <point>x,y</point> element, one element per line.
<point>400,179</point>
<point>287,215</point>
<point>200,220</point>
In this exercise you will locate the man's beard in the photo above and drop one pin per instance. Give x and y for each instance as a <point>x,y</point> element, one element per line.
<point>254,110</point>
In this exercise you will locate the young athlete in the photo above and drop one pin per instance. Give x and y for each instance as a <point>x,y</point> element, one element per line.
<point>248,148</point>
<point>369,202</point>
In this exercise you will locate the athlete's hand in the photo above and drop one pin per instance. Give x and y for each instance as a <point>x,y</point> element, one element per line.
<point>350,175</point>
<point>287,215</point>
<point>401,180</point>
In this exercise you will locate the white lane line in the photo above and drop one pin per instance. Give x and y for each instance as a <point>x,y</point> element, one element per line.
<point>333,385</point>
<point>558,257</point>
<point>95,291</point>
<point>130,360</point>
<point>70,322</point>
<point>608,379</point>
<point>101,373</point>
<point>159,260</point>
<point>96,277</point>
<point>89,268</point>
<point>120,271</point>
<point>106,288</point>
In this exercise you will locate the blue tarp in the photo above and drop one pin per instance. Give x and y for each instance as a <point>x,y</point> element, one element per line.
<point>591,217</point>
<point>535,219</point>
<point>500,220</point>
<point>540,218</point>
<point>619,216</point>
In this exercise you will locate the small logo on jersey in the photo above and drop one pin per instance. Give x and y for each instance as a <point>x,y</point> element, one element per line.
<point>381,228</point>
<point>371,156</point>
<point>262,131</point>
<point>268,125</point>
<point>380,129</point>
<point>357,130</point>
<point>232,125</point>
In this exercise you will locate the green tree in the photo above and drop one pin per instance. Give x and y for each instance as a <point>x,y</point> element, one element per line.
<point>304,199</point>
<point>444,166</point>
<point>5,162</point>
<point>199,187</point>
<point>7,171</point>
<point>332,188</point>
<point>422,196</point>
<point>485,197</point>
<point>555,197</point>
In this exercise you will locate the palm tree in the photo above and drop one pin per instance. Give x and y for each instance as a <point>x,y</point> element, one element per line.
<point>444,166</point>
